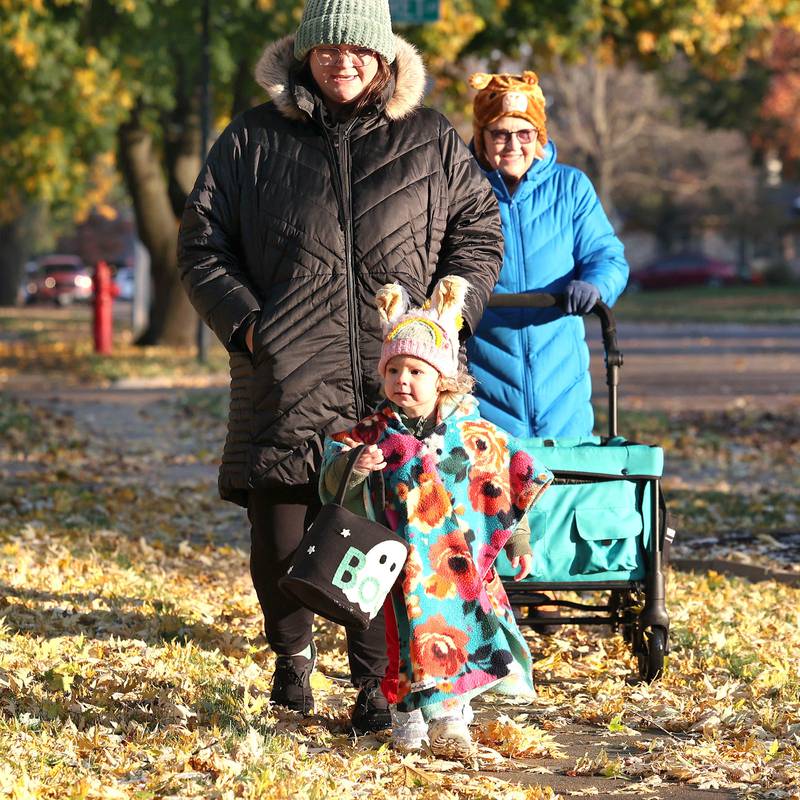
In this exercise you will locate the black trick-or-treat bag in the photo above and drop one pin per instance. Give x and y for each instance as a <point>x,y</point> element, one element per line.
<point>346,564</point>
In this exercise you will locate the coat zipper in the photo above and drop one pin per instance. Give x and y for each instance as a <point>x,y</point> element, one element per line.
<point>341,162</point>
<point>523,329</point>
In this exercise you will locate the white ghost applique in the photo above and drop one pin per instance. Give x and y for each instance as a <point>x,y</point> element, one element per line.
<point>366,578</point>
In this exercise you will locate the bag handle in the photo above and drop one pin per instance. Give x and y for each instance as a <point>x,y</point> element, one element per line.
<point>378,489</point>
<point>352,457</point>
<point>374,482</point>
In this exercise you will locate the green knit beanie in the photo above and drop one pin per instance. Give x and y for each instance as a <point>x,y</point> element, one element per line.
<point>361,23</point>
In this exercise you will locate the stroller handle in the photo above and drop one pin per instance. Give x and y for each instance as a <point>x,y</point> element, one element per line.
<point>608,326</point>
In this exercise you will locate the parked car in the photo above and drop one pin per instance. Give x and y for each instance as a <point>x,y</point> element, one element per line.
<point>60,279</point>
<point>684,269</point>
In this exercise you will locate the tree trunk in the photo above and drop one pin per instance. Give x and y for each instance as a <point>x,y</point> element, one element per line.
<point>12,260</point>
<point>242,87</point>
<point>172,319</point>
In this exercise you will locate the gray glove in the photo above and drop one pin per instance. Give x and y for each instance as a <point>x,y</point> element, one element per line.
<point>580,297</point>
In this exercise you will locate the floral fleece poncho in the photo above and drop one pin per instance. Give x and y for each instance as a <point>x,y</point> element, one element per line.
<point>456,497</point>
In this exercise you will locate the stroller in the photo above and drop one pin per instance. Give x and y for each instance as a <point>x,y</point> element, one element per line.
<point>601,526</point>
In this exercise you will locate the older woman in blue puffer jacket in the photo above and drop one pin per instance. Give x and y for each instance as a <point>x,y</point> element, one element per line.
<point>532,365</point>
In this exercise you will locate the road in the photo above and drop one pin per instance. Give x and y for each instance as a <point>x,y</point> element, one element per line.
<point>672,367</point>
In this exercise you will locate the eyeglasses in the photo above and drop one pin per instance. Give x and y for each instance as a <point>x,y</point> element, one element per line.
<point>503,137</point>
<point>329,56</point>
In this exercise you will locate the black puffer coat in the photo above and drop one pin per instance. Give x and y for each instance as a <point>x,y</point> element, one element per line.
<point>295,224</point>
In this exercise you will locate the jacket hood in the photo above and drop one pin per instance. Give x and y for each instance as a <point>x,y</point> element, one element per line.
<point>272,74</point>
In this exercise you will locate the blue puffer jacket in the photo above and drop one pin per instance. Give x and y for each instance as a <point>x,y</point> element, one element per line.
<point>532,366</point>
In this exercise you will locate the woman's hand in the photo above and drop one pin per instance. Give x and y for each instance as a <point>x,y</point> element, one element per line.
<point>248,337</point>
<point>580,297</point>
<point>524,564</point>
<point>371,458</point>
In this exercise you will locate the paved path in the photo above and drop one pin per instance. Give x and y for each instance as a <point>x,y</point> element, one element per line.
<point>582,740</point>
<point>136,420</point>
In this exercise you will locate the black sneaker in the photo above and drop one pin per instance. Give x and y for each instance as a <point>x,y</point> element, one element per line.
<point>371,711</point>
<point>291,682</point>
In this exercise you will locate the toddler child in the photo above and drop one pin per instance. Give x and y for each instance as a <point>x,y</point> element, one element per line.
<point>458,489</point>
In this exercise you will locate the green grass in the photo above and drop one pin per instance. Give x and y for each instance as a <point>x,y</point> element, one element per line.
<point>742,304</point>
<point>58,342</point>
<point>152,362</point>
<point>208,407</point>
<point>32,323</point>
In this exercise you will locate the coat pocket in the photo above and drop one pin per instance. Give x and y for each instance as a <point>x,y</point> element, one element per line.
<point>608,539</point>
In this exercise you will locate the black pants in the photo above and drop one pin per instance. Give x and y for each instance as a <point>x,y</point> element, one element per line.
<point>278,520</point>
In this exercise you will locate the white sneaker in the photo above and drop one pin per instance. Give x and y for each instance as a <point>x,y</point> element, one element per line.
<point>409,730</point>
<point>449,737</point>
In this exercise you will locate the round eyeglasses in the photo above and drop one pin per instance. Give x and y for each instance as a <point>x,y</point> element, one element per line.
<point>329,56</point>
<point>503,137</point>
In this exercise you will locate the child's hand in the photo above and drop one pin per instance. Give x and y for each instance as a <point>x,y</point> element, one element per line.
<point>524,563</point>
<point>371,458</point>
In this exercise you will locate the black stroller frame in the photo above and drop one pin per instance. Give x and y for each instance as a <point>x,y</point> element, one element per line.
<point>636,608</point>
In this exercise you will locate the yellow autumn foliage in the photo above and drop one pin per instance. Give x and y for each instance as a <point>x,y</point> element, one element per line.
<point>42,154</point>
<point>445,39</point>
<point>18,35</point>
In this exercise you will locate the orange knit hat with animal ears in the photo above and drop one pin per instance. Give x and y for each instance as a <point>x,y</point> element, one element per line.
<point>505,95</point>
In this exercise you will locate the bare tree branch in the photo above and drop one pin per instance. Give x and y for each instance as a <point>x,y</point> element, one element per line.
<point>616,123</point>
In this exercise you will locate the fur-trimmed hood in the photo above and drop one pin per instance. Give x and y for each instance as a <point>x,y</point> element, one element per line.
<point>272,74</point>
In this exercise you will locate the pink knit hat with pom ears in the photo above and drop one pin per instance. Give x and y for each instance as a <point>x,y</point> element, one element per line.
<point>429,333</point>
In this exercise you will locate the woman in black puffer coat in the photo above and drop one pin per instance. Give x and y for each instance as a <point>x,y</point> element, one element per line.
<point>305,207</point>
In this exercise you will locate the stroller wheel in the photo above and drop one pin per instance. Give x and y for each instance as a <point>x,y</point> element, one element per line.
<point>651,654</point>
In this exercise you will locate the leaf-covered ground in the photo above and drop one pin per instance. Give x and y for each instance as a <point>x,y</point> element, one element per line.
<point>132,663</point>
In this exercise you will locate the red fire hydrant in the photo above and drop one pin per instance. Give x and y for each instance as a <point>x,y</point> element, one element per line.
<point>105,290</point>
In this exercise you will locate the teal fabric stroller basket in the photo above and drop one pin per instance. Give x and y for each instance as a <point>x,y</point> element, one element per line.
<point>594,523</point>
<point>601,526</point>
